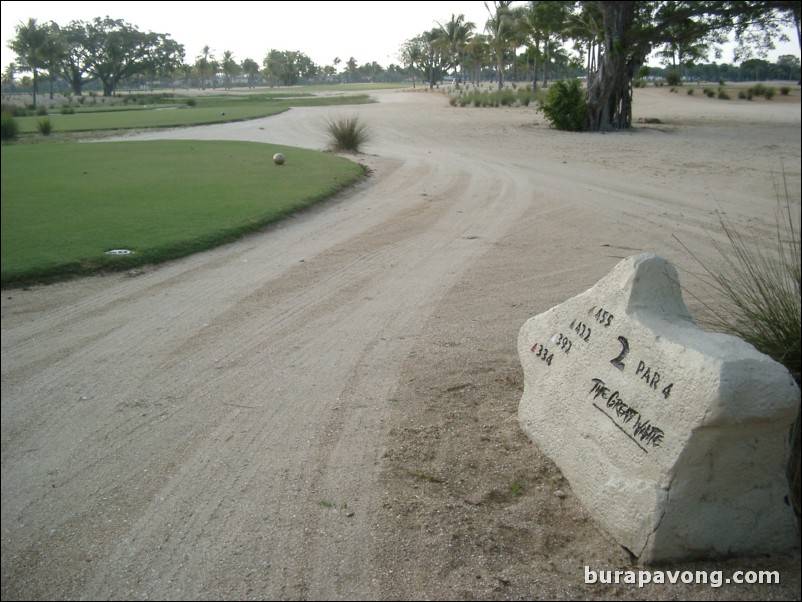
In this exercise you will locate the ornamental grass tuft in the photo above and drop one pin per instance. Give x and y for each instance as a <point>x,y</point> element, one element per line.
<point>758,300</point>
<point>347,134</point>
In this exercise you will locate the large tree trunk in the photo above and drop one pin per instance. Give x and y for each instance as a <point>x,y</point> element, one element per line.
<point>76,83</point>
<point>108,86</point>
<point>609,93</point>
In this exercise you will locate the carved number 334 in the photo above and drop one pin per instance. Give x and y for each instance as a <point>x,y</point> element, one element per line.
<point>543,353</point>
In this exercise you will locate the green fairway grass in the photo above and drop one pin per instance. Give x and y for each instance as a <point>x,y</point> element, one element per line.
<point>149,111</point>
<point>65,205</point>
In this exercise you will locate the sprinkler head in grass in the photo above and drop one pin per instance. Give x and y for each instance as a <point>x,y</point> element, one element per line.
<point>278,159</point>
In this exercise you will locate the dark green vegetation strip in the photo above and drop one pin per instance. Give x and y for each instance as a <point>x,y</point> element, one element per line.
<point>65,205</point>
<point>155,111</point>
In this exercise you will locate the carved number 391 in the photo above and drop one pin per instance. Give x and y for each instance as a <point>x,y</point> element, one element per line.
<point>618,362</point>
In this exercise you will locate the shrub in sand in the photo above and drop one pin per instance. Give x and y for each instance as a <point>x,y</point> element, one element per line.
<point>347,134</point>
<point>565,106</point>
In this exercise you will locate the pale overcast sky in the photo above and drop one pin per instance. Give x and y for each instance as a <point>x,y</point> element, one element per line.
<point>367,31</point>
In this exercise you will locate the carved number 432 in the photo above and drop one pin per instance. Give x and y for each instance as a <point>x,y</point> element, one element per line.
<point>543,353</point>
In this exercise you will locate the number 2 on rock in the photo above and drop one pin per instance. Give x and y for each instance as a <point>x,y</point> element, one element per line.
<point>618,362</point>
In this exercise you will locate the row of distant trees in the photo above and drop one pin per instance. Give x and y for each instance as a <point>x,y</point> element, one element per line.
<point>289,68</point>
<point>108,54</point>
<point>525,41</point>
<point>786,67</point>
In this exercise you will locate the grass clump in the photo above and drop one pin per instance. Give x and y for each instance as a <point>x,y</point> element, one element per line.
<point>9,128</point>
<point>347,134</point>
<point>422,475</point>
<point>45,126</point>
<point>517,487</point>
<point>759,301</point>
<point>673,77</point>
<point>508,97</point>
<point>760,289</point>
<point>328,504</point>
<point>526,96</point>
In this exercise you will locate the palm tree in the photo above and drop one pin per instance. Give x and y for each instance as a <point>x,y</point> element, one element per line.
<point>499,28</point>
<point>8,76</point>
<point>230,68</point>
<point>547,22</point>
<point>55,52</point>
<point>251,69</point>
<point>518,34</point>
<point>477,55</point>
<point>185,69</point>
<point>457,33</point>
<point>350,67</point>
<point>587,28</point>
<point>214,69</point>
<point>204,64</point>
<point>33,47</point>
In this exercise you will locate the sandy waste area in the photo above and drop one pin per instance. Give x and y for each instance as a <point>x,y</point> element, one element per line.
<point>327,410</point>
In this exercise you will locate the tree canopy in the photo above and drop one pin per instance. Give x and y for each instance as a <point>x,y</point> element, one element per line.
<point>631,30</point>
<point>287,67</point>
<point>109,50</point>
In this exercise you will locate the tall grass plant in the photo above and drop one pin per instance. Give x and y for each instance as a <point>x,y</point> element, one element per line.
<point>347,134</point>
<point>758,300</point>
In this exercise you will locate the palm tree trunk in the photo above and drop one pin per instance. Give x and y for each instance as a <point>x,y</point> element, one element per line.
<point>500,65</point>
<point>35,84</point>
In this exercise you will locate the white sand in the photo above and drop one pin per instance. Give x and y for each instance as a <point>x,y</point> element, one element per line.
<point>327,410</point>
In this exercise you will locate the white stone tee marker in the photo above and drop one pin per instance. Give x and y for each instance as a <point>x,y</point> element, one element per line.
<point>674,439</point>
